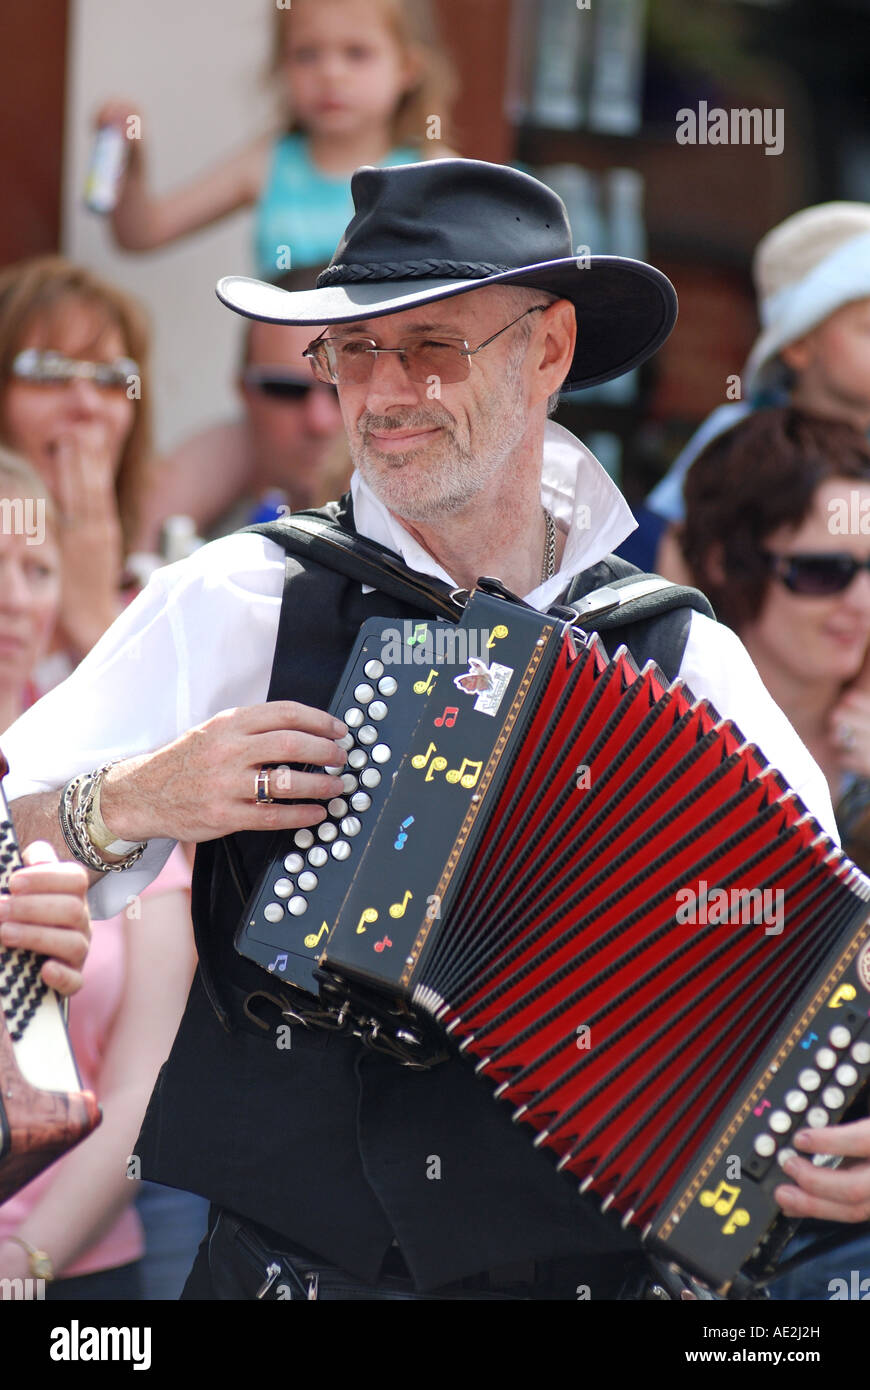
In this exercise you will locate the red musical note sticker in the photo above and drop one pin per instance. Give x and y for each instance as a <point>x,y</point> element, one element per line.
<point>382,945</point>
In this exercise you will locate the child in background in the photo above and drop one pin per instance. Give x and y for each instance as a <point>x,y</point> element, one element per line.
<point>361,82</point>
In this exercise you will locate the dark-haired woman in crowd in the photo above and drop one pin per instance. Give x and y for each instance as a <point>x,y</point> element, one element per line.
<point>777,533</point>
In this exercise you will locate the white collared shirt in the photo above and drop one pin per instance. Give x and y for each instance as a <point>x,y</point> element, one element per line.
<point>201,636</point>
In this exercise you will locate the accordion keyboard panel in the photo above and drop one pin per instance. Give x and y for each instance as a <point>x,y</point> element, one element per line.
<point>380,699</point>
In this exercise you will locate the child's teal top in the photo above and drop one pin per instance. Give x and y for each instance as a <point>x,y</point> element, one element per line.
<point>303,212</point>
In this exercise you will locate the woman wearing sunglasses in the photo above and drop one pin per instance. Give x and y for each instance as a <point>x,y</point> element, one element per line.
<point>74,402</point>
<point>777,533</point>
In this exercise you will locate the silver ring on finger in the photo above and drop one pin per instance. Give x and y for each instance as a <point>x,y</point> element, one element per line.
<point>262,792</point>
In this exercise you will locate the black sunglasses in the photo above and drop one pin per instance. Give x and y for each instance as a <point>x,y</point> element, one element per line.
<point>282,386</point>
<point>815,576</point>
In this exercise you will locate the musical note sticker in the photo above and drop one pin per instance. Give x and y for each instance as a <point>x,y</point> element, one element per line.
<point>498,631</point>
<point>423,687</point>
<point>448,718</point>
<point>370,915</point>
<point>398,909</point>
<point>466,779</point>
<point>846,992</point>
<point>311,940</point>
<point>760,1109</point>
<point>402,838</point>
<point>279,963</point>
<point>382,945</point>
<point>722,1200</point>
<point>740,1217</point>
<point>419,635</point>
<point>438,764</point>
<point>723,1203</point>
<point>809,1040</point>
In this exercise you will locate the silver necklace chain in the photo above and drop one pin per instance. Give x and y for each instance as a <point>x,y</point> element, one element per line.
<point>548,565</point>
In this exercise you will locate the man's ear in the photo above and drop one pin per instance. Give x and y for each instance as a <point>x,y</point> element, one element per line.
<point>554,336</point>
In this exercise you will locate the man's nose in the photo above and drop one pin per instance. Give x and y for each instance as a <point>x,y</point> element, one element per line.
<point>390,382</point>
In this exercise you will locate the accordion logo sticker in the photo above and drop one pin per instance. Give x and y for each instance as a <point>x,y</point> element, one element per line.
<point>487,683</point>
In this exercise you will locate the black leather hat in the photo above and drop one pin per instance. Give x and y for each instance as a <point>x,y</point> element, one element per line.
<point>443,227</point>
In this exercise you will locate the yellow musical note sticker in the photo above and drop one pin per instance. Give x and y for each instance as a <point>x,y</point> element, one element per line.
<point>498,631</point>
<point>464,778</point>
<point>843,992</point>
<point>722,1200</point>
<point>740,1217</point>
<point>420,760</point>
<point>311,940</point>
<point>370,915</point>
<point>398,909</point>
<point>423,687</point>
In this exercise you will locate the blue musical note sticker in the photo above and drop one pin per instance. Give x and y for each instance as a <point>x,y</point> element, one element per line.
<point>402,837</point>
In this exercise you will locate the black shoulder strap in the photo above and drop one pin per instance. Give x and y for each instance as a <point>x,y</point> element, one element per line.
<point>610,594</point>
<point>316,536</point>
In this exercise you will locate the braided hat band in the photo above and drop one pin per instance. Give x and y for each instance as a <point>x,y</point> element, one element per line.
<point>343,274</point>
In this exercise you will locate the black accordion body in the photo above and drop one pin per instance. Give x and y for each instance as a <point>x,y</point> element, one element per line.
<point>589,884</point>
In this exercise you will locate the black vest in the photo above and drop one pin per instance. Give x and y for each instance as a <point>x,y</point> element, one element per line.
<point>339,1149</point>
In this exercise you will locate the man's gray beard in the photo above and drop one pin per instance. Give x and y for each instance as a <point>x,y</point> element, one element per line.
<point>459,480</point>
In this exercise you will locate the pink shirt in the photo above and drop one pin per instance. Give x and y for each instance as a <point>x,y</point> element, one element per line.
<point>92,1015</point>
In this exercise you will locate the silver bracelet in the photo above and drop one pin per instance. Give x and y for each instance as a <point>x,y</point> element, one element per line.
<point>76,804</point>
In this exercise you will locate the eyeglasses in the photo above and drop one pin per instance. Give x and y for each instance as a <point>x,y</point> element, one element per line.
<point>55,369</point>
<point>815,576</point>
<point>281,386</point>
<point>350,361</point>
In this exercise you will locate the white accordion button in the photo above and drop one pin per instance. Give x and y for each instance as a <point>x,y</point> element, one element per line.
<point>388,686</point>
<point>283,888</point>
<point>780,1122</point>
<point>839,1036</point>
<point>809,1079</point>
<point>817,1118</point>
<point>350,826</point>
<point>363,693</point>
<point>317,857</point>
<point>348,783</point>
<point>861,1053</point>
<point>326,831</point>
<point>381,753</point>
<point>833,1097</point>
<point>370,778</point>
<point>374,670</point>
<point>304,839</point>
<point>378,710</point>
<point>360,801</point>
<point>795,1101</point>
<point>826,1059</point>
<point>353,718</point>
<point>346,742</point>
<point>368,734</point>
<point>293,863</point>
<point>307,881</point>
<point>357,759</point>
<point>340,850</point>
<point>846,1074</point>
<point>273,912</point>
<point>297,906</point>
<point>784,1154</point>
<point>337,807</point>
<point>765,1145</point>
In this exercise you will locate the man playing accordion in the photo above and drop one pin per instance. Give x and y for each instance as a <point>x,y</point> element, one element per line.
<point>457,310</point>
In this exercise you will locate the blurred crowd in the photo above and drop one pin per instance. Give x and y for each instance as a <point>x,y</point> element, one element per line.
<point>767,510</point>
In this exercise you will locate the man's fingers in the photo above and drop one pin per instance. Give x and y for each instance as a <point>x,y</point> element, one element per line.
<point>39,852</point>
<point>54,908</point>
<point>852,1140</point>
<point>287,714</point>
<point>61,978</point>
<point>290,747</point>
<point>69,947</point>
<point>38,877</point>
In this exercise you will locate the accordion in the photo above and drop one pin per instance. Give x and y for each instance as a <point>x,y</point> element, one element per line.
<point>43,1109</point>
<point>590,885</point>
